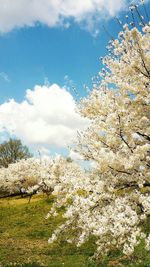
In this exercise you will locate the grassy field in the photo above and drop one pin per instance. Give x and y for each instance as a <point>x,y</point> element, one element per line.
<point>24,232</point>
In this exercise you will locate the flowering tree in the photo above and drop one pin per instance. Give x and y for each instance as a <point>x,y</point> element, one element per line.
<point>112,200</point>
<point>20,176</point>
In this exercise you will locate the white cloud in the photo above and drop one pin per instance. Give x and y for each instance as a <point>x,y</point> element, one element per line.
<point>46,117</point>
<point>75,156</point>
<point>20,13</point>
<point>4,76</point>
<point>43,153</point>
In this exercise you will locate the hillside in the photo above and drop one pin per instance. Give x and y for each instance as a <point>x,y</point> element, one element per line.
<point>24,232</point>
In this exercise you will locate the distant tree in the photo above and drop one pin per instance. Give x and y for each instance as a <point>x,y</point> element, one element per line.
<point>12,151</point>
<point>69,159</point>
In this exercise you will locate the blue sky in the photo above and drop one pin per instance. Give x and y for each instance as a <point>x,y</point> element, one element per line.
<point>30,55</point>
<point>35,51</point>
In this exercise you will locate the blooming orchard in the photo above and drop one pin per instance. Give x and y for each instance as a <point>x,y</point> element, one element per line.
<point>112,200</point>
<point>32,176</point>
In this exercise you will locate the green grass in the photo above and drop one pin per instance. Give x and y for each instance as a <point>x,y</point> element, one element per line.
<point>24,232</point>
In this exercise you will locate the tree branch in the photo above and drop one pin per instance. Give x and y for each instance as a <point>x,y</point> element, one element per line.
<point>144,135</point>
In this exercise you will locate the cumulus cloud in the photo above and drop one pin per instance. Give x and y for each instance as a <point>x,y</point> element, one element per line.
<point>20,13</point>
<point>47,116</point>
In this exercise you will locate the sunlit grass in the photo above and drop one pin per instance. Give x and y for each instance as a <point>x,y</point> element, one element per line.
<point>24,233</point>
